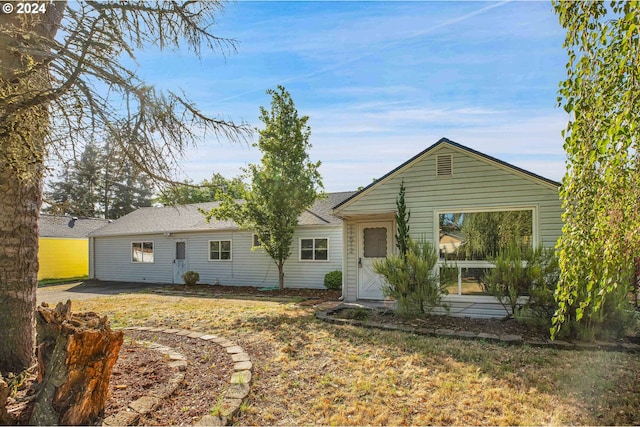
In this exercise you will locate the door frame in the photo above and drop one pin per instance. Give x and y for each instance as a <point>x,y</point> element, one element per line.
<point>360,226</point>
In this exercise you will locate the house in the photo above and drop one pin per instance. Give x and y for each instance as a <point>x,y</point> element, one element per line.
<point>63,245</point>
<point>465,202</point>
<point>159,244</point>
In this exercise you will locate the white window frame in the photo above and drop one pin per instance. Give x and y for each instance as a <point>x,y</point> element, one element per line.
<point>254,236</point>
<point>220,251</point>
<point>313,249</point>
<point>142,243</point>
<point>535,230</point>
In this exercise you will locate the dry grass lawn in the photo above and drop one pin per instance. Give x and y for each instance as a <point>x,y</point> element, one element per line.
<point>308,372</point>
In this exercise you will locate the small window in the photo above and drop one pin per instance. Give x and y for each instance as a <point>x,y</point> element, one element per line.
<point>444,165</point>
<point>220,250</point>
<point>314,249</point>
<point>181,250</point>
<point>142,252</point>
<point>375,242</point>
<point>255,241</point>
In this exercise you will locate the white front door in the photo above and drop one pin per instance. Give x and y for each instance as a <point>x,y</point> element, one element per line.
<point>374,244</point>
<point>180,263</point>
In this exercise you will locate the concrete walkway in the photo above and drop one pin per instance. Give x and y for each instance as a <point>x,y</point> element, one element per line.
<point>83,290</point>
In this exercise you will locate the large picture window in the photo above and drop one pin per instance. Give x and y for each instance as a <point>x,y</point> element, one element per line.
<point>473,236</point>
<point>142,252</point>
<point>468,241</point>
<point>220,250</point>
<point>314,249</point>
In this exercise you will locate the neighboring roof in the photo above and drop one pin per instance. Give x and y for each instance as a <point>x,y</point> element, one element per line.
<point>174,219</point>
<point>68,226</point>
<point>445,141</point>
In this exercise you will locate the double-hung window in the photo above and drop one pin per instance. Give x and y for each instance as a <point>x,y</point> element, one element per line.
<point>142,252</point>
<point>314,249</point>
<point>219,250</point>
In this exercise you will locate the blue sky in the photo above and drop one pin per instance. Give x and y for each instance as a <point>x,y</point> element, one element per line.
<point>381,81</point>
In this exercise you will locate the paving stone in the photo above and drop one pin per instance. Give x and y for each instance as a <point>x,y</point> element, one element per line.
<point>445,332</point>
<point>465,334</point>
<point>227,343</point>
<point>183,332</point>
<point>144,328</point>
<point>122,418</point>
<point>180,365</point>
<point>210,420</point>
<point>218,340</point>
<point>145,404</point>
<point>171,331</point>
<point>235,349</point>
<point>237,391</point>
<point>240,357</point>
<point>208,337</point>
<point>155,329</point>
<point>229,406</point>
<point>176,356</point>
<point>491,337</point>
<point>195,335</point>
<point>243,366</point>
<point>241,377</point>
<point>512,339</point>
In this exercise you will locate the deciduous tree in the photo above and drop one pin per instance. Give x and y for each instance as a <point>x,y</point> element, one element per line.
<point>601,188</point>
<point>283,185</point>
<point>64,82</point>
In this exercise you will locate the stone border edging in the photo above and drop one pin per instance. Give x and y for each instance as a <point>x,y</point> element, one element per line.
<point>325,315</point>
<point>239,382</point>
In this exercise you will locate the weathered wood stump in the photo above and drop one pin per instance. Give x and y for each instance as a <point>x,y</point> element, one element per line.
<point>76,354</point>
<point>4,393</point>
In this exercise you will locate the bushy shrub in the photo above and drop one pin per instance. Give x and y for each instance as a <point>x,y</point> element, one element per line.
<point>333,280</point>
<point>528,272</point>
<point>191,278</point>
<point>411,279</point>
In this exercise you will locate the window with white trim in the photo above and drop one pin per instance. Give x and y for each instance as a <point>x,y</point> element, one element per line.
<point>142,252</point>
<point>314,249</point>
<point>219,250</point>
<point>468,240</point>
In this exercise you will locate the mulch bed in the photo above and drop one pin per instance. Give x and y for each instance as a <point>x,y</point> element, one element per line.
<point>213,290</point>
<point>139,369</point>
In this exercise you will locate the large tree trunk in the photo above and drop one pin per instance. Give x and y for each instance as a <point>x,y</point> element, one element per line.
<point>22,155</point>
<point>281,275</point>
<point>76,354</point>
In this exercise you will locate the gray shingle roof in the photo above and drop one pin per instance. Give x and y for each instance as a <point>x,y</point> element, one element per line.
<point>185,218</point>
<point>67,227</point>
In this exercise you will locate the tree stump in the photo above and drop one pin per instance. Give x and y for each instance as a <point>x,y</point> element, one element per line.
<point>4,393</point>
<point>76,354</point>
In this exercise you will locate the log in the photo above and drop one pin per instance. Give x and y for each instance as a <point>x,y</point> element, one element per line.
<point>4,393</point>
<point>76,354</point>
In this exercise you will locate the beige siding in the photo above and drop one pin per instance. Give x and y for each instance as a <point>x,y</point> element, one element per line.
<point>476,183</point>
<point>246,268</point>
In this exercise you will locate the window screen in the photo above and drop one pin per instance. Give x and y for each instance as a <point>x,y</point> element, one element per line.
<point>375,242</point>
<point>181,252</point>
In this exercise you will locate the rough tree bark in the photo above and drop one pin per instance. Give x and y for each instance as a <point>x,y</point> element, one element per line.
<point>76,354</point>
<point>22,154</point>
<point>4,393</point>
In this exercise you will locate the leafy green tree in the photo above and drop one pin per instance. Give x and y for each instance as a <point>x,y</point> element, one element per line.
<point>601,189</point>
<point>283,185</point>
<point>205,191</point>
<point>402,222</point>
<point>65,82</point>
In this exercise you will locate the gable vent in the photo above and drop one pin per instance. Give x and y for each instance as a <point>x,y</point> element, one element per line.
<point>444,165</point>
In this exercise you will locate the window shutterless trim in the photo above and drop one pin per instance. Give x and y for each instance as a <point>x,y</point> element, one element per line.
<point>313,249</point>
<point>220,251</point>
<point>142,243</point>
